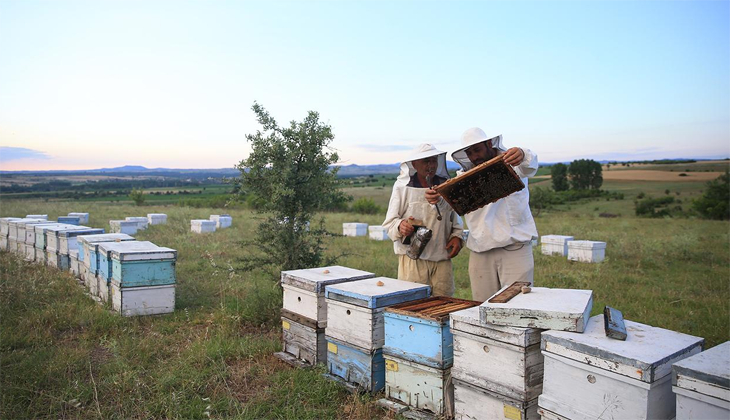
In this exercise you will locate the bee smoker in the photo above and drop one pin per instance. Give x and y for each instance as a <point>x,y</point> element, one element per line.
<point>418,241</point>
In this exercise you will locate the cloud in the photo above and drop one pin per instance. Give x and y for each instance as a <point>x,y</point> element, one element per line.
<point>8,154</point>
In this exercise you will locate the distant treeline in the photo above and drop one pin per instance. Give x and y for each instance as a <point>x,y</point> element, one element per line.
<point>104,185</point>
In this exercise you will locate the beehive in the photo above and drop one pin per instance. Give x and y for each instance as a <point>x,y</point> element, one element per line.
<point>479,186</point>
<point>4,231</point>
<point>590,375</point>
<point>419,386</point>
<point>150,300</point>
<point>701,384</point>
<point>73,262</point>
<point>358,367</point>
<point>498,361</point>
<point>202,226</point>
<point>71,220</point>
<point>302,339</point>
<point>68,239</point>
<point>157,218</point>
<point>222,221</point>
<point>89,248</point>
<point>472,403</point>
<point>83,217</point>
<point>142,222</point>
<point>544,308</point>
<point>586,251</point>
<point>37,216</point>
<point>40,240</point>
<point>555,244</point>
<point>30,239</point>
<point>123,226</point>
<point>377,233</point>
<point>354,229</point>
<point>16,232</point>
<point>53,238</point>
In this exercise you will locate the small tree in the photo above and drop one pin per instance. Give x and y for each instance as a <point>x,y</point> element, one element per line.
<point>559,175</point>
<point>137,195</point>
<point>715,202</point>
<point>288,172</point>
<point>585,174</point>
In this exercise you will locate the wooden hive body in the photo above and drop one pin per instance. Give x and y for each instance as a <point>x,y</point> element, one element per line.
<point>5,225</point>
<point>362,368</point>
<point>149,300</point>
<point>202,226</point>
<point>71,220</point>
<point>701,384</point>
<point>73,262</point>
<point>474,403</point>
<point>142,222</point>
<point>419,386</point>
<point>377,233</point>
<point>222,221</point>
<point>586,251</point>
<point>139,263</point>
<point>544,308</point>
<point>500,359</point>
<point>419,331</point>
<point>354,229</point>
<point>123,226</point>
<point>41,239</point>
<point>157,218</point>
<point>302,338</point>
<point>589,375</point>
<point>68,239</point>
<point>555,244</point>
<point>89,244</point>
<point>83,217</point>
<point>53,235</point>
<point>479,186</point>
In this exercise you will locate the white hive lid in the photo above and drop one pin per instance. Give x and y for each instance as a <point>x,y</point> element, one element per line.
<point>354,225</point>
<point>369,294</point>
<point>711,366</point>
<point>315,279</point>
<point>79,232</point>
<point>105,237</point>
<point>136,251</point>
<point>555,239</point>
<point>61,227</point>
<point>43,226</point>
<point>467,320</point>
<point>587,244</point>
<point>647,354</point>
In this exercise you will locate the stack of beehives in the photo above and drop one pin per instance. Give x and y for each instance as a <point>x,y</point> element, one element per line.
<point>304,313</point>
<point>566,246</point>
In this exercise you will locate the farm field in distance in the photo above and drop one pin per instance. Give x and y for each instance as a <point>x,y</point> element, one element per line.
<point>64,356</point>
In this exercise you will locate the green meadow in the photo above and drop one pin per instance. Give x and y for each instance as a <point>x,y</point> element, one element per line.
<point>64,356</point>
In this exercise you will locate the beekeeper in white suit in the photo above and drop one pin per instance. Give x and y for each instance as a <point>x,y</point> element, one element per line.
<point>424,168</point>
<point>500,233</point>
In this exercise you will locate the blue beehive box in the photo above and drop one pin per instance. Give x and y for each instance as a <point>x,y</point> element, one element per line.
<point>134,264</point>
<point>418,331</point>
<point>71,220</point>
<point>364,369</point>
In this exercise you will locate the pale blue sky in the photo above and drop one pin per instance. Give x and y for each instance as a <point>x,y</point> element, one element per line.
<point>90,84</point>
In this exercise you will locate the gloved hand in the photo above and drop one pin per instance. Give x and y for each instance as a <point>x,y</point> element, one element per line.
<point>453,246</point>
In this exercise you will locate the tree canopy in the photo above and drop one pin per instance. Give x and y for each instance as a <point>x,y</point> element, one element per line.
<point>585,174</point>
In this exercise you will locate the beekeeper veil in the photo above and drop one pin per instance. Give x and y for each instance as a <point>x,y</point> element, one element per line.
<point>423,151</point>
<point>471,137</point>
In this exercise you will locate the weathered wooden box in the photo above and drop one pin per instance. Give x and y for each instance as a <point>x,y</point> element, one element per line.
<point>378,233</point>
<point>586,251</point>
<point>701,384</point>
<point>31,231</point>
<point>68,239</point>
<point>123,226</point>
<point>590,375</point>
<point>15,225</point>
<point>142,222</point>
<point>303,339</point>
<point>37,216</point>
<point>149,300</point>
<point>5,229</point>
<point>88,246</point>
<point>419,331</point>
<point>156,218</point>
<point>138,263</point>
<point>304,289</point>
<point>53,237</point>
<point>12,245</point>
<point>54,259</point>
<point>354,229</point>
<point>544,308</point>
<point>70,220</point>
<point>73,262</point>
<point>83,217</point>
<point>4,243</point>
<point>419,386</point>
<point>28,252</point>
<point>362,368</point>
<point>555,244</point>
<point>222,221</point>
<point>41,239</point>
<point>474,403</point>
<point>501,359</point>
<point>202,226</point>
<point>355,309</point>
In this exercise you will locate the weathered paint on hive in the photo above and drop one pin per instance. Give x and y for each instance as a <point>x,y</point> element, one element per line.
<point>474,403</point>
<point>419,386</point>
<point>143,273</point>
<point>360,368</point>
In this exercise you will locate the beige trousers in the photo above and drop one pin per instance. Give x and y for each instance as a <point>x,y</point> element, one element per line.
<point>491,270</point>
<point>439,275</point>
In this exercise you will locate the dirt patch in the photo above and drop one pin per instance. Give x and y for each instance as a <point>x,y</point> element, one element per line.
<point>648,175</point>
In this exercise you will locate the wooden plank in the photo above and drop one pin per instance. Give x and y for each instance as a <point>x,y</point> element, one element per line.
<point>472,402</point>
<point>377,292</point>
<point>511,291</point>
<point>307,322</point>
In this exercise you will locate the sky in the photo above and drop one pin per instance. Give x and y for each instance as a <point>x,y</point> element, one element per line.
<point>100,84</point>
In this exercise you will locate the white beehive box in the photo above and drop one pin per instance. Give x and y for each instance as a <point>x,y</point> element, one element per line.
<point>71,220</point>
<point>701,384</point>
<point>141,221</point>
<point>14,226</point>
<point>555,244</point>
<point>472,403</point>
<point>68,239</point>
<point>377,233</point>
<point>53,238</point>
<point>544,308</point>
<point>501,359</point>
<point>590,375</point>
<point>419,386</point>
<point>355,309</point>
<point>123,226</point>
<point>4,243</point>
<point>37,216</point>
<point>88,244</point>
<point>302,339</point>
<point>354,229</point>
<point>202,226</point>
<point>73,262</point>
<point>156,218</point>
<point>4,225</point>
<point>304,289</point>
<point>150,300</point>
<point>222,221</point>
<point>586,251</point>
<point>83,217</point>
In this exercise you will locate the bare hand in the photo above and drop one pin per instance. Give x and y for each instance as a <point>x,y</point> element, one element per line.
<point>405,228</point>
<point>432,196</point>
<point>453,246</point>
<point>514,156</point>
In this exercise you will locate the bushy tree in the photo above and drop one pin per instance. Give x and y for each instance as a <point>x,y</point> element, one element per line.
<point>288,172</point>
<point>585,174</point>
<point>715,202</point>
<point>365,206</point>
<point>559,175</point>
<point>137,195</point>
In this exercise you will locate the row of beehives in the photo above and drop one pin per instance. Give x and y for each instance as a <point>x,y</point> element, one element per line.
<point>138,277</point>
<point>375,232</point>
<point>216,221</point>
<point>131,224</point>
<point>583,251</point>
<point>475,360</point>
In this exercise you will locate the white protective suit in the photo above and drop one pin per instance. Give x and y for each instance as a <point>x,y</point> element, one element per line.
<point>507,221</point>
<point>408,201</point>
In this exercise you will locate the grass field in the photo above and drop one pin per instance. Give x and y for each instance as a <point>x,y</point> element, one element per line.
<point>64,356</point>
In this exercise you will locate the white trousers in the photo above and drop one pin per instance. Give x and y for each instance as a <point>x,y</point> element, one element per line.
<point>439,275</point>
<point>491,270</point>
